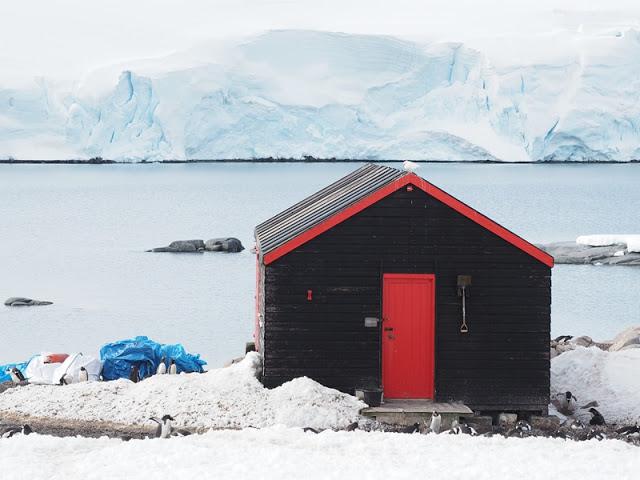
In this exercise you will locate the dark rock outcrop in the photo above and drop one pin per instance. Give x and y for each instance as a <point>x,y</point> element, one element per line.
<point>576,254</point>
<point>25,302</point>
<point>226,244</point>
<point>229,244</point>
<point>181,246</point>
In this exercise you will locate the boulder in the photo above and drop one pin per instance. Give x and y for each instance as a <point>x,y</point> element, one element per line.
<point>181,246</point>
<point>545,423</point>
<point>25,302</point>
<point>629,338</point>
<point>229,244</point>
<point>583,341</point>
<point>507,420</point>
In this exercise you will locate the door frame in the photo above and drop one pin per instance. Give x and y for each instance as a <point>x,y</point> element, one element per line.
<point>432,278</point>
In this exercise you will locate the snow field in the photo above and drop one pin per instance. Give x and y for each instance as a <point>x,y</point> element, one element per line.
<point>610,378</point>
<point>283,453</point>
<point>631,241</point>
<point>222,398</point>
<point>234,398</point>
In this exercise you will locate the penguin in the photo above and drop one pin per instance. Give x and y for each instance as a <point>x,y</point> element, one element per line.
<point>134,375</point>
<point>164,428</point>
<point>162,367</point>
<point>563,338</point>
<point>16,375</point>
<point>597,434</point>
<point>83,375</point>
<point>630,431</point>
<point>596,417</point>
<point>463,429</point>
<point>173,369</point>
<point>352,426</point>
<point>563,433</point>
<point>436,422</point>
<point>410,429</point>
<point>24,430</point>
<point>469,430</point>
<point>577,425</point>
<point>567,403</point>
<point>522,429</point>
<point>523,426</point>
<point>65,379</point>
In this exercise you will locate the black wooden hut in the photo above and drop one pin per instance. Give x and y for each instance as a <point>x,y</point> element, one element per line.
<point>383,280</point>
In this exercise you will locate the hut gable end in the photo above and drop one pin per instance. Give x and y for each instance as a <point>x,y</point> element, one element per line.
<point>314,298</point>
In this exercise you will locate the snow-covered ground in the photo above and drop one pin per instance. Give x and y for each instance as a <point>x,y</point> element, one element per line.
<point>222,398</point>
<point>631,241</point>
<point>550,80</point>
<point>282,453</point>
<point>610,378</point>
<point>233,397</point>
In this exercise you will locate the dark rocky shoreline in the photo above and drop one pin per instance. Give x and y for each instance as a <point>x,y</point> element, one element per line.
<point>572,253</point>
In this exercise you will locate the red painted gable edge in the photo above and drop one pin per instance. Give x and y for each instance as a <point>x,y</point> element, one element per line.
<point>429,189</point>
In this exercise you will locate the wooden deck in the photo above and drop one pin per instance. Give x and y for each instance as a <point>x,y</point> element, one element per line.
<point>408,412</point>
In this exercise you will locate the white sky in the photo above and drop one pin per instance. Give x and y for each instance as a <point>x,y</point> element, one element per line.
<point>63,39</point>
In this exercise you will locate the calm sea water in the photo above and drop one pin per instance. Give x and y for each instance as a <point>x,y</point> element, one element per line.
<point>76,235</point>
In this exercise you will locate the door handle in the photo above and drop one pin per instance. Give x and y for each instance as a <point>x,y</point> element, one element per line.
<point>388,329</point>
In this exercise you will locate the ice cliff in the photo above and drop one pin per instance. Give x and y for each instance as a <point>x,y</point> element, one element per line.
<point>296,93</point>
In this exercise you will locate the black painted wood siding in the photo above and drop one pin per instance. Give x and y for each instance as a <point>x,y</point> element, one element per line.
<point>502,363</point>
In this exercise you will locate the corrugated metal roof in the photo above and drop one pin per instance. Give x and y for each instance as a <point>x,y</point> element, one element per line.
<point>311,211</point>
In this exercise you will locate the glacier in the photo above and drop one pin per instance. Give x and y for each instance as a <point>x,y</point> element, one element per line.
<point>296,93</point>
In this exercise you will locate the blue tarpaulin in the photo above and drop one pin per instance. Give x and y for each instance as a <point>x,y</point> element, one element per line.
<point>119,357</point>
<point>4,376</point>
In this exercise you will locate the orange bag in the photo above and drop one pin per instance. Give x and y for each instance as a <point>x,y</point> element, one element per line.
<point>56,358</point>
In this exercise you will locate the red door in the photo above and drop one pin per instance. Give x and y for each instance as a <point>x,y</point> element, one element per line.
<point>408,327</point>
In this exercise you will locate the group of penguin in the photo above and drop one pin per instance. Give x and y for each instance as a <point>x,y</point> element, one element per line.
<point>83,375</point>
<point>567,404</point>
<point>521,428</point>
<point>17,376</point>
<point>15,431</point>
<point>164,429</point>
<point>134,374</point>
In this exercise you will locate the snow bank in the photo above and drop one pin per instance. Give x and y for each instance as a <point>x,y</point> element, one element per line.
<point>631,241</point>
<point>283,453</point>
<point>610,378</point>
<point>222,398</point>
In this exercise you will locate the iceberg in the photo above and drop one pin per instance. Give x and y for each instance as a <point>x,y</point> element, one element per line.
<point>294,93</point>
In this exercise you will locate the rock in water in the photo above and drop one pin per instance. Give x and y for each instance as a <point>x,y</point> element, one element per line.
<point>181,246</point>
<point>25,302</point>
<point>229,244</point>
<point>574,253</point>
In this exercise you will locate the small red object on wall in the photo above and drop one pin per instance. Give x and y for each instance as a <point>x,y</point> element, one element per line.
<point>409,188</point>
<point>309,295</point>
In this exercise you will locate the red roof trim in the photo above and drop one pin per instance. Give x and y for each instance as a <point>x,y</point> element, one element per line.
<point>429,189</point>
